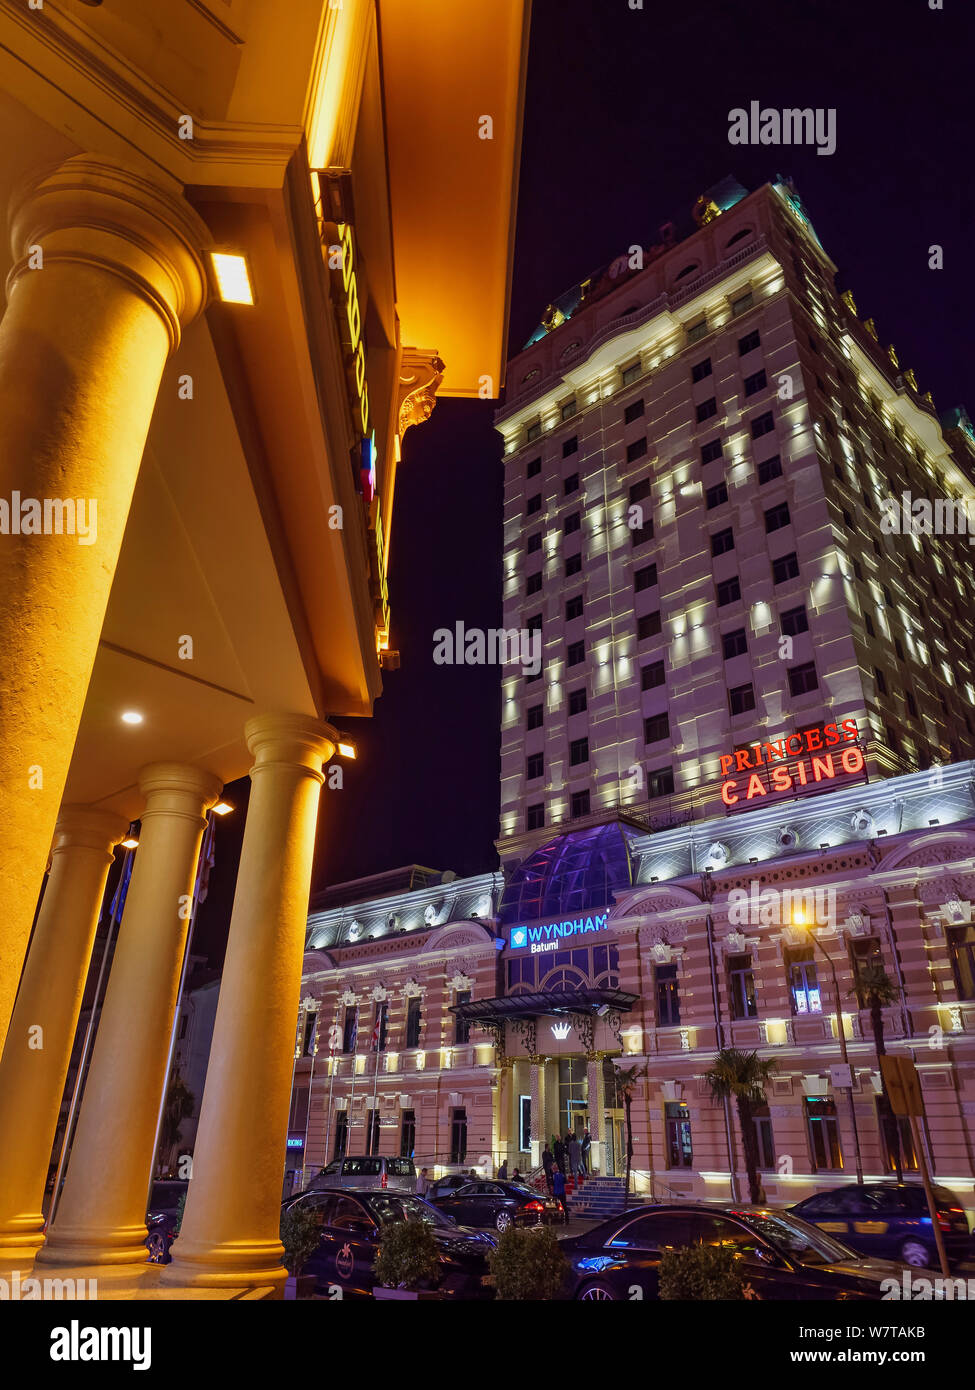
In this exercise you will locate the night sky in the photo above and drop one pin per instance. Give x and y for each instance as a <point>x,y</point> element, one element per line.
<point>626,123</point>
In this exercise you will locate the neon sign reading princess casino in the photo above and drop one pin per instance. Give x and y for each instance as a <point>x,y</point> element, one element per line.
<point>547,937</point>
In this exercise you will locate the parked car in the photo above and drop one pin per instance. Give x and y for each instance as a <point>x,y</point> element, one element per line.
<point>368,1170</point>
<point>890,1219</point>
<point>352,1220</point>
<point>499,1204</point>
<point>782,1256</point>
<point>447,1185</point>
<point>162,1217</point>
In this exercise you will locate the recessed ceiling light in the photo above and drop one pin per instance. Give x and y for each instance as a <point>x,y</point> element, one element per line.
<point>131,716</point>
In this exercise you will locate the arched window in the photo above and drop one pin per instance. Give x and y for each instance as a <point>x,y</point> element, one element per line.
<point>688,270</point>
<point>738,236</point>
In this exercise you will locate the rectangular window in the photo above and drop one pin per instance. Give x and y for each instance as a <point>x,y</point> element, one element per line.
<point>573,609</point>
<point>534,717</point>
<point>784,568</point>
<point>308,1041</point>
<point>534,623</point>
<point>749,342</point>
<point>794,621</point>
<point>803,981</point>
<point>644,578</point>
<point>407,1134</point>
<point>640,491</point>
<point>764,1142</point>
<point>533,468</point>
<point>570,446</point>
<point>755,383</point>
<point>776,517</point>
<point>524,1124</point>
<point>640,534</point>
<point>533,505</point>
<point>769,469</point>
<point>803,678</point>
<point>380,1025</point>
<point>711,451</point>
<point>636,450</point>
<point>881,680</point>
<point>372,1131</point>
<point>660,782</point>
<point>715,496</point>
<point>631,373</point>
<point>677,1123</point>
<point>579,804</point>
<point>458,1135</point>
<point>575,653</point>
<point>571,484</point>
<point>341,1133</point>
<point>700,370</point>
<point>568,410</point>
<point>668,996</point>
<point>647,626</point>
<point>633,412</point>
<point>535,816</point>
<point>413,1015</point>
<point>961,946</point>
<point>656,728</point>
<point>533,543</point>
<point>533,584</point>
<point>535,766</point>
<point>350,1028</point>
<point>462,1027</point>
<point>741,699</point>
<point>706,410</point>
<point>578,702</point>
<point>741,304</point>
<point>697,331</point>
<point>578,752</point>
<point>722,541</point>
<point>741,987</point>
<point>823,1131</point>
<point>734,643</point>
<point>571,523</point>
<point>533,431</point>
<point>763,424</point>
<point>728,591</point>
<point>652,675</point>
<point>573,565</point>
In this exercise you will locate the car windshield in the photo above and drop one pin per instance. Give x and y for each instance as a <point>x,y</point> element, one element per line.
<point>794,1237</point>
<point>388,1207</point>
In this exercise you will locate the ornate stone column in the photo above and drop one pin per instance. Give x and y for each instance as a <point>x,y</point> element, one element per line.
<point>229,1235</point>
<point>596,1101</point>
<point>101,1217</point>
<point>107,267</point>
<point>35,1059</point>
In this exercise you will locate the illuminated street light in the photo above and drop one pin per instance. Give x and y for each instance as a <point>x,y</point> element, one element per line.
<point>346,749</point>
<point>232,277</point>
<point>222,808</point>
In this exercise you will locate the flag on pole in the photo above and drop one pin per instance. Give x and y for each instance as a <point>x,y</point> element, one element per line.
<point>207,860</point>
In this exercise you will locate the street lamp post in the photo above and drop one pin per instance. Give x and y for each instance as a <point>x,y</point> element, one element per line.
<point>843,1049</point>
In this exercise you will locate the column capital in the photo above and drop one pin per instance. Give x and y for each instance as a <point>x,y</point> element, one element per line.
<point>87,827</point>
<point>298,739</point>
<point>96,212</point>
<point>178,787</point>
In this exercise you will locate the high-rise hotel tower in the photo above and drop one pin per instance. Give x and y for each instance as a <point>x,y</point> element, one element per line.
<point>698,445</point>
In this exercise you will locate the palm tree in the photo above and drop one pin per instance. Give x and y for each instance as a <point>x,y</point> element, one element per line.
<point>875,990</point>
<point>627,1080</point>
<point>742,1075</point>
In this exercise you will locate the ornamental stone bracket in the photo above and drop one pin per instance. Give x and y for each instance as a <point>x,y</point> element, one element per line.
<point>420,376</point>
<point>412,989</point>
<point>349,998</point>
<point>460,982</point>
<point>379,994</point>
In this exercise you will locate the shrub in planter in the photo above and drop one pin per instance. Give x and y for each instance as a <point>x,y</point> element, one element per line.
<point>528,1264</point>
<point>701,1272</point>
<point>407,1257</point>
<point>300,1234</point>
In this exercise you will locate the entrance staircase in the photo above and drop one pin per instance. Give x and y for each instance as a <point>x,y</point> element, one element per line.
<point>598,1197</point>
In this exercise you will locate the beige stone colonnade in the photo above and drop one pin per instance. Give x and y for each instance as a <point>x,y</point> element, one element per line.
<point>108,267</point>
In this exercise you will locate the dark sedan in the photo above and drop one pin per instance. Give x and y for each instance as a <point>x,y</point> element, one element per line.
<point>351,1227</point>
<point>892,1220</point>
<point>498,1205</point>
<point>782,1257</point>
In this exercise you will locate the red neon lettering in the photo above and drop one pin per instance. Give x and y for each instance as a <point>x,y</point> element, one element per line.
<point>852,760</point>
<point>727,796</point>
<point>781,780</point>
<point>788,743</point>
<point>742,760</point>
<point>755,787</point>
<point>823,767</point>
<point>801,769</point>
<point>727,763</point>
<point>813,734</point>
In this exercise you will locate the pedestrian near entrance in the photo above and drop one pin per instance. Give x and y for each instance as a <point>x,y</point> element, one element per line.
<point>586,1147</point>
<point>547,1161</point>
<point>575,1156</point>
<point>558,1152</point>
<point>503,1171</point>
<point>423,1182</point>
<point>558,1189</point>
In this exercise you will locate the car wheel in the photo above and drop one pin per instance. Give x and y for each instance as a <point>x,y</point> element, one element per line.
<point>595,1291</point>
<point>916,1253</point>
<point>156,1245</point>
<point>503,1220</point>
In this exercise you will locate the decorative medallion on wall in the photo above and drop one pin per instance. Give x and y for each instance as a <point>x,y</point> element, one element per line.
<point>412,989</point>
<point>348,998</point>
<point>862,823</point>
<point>718,854</point>
<point>460,982</point>
<point>355,930</point>
<point>378,994</point>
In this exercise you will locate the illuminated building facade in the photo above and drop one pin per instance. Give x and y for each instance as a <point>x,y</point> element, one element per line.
<point>222,318</point>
